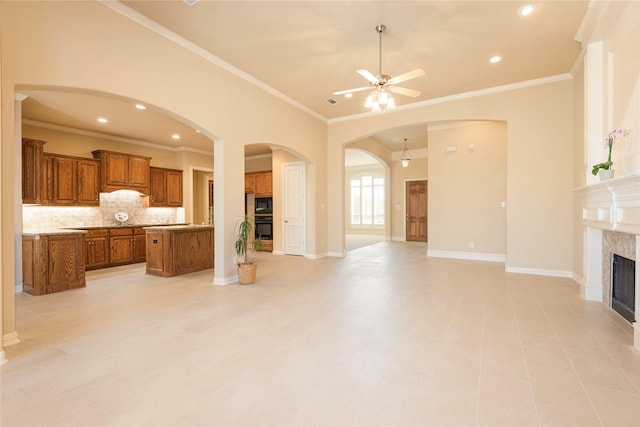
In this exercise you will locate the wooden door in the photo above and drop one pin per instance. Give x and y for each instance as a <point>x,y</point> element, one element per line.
<point>139,244</point>
<point>31,170</point>
<point>65,181</point>
<point>416,205</point>
<point>174,188</point>
<point>88,183</point>
<point>96,252</point>
<point>46,181</point>
<point>65,267</point>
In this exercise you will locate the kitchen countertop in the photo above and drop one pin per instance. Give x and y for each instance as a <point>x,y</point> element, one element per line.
<point>94,227</point>
<point>179,227</point>
<point>50,231</point>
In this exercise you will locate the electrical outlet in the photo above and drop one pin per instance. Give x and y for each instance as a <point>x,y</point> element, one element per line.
<point>471,245</point>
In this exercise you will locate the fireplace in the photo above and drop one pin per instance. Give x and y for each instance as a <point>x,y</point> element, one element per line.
<point>611,220</point>
<point>623,295</point>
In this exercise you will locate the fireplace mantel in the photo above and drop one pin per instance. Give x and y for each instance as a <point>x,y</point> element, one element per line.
<point>613,204</point>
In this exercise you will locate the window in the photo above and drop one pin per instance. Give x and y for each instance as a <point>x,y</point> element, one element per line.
<point>367,201</point>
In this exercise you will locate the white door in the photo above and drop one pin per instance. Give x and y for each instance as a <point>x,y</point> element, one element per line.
<point>293,209</point>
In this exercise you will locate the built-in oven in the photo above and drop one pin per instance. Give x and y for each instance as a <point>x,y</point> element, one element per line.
<point>264,227</point>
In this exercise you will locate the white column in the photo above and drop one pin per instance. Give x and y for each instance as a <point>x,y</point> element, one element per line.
<point>594,103</point>
<point>228,176</point>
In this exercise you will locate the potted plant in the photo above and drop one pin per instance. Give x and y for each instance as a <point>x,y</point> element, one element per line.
<point>604,169</point>
<point>245,246</point>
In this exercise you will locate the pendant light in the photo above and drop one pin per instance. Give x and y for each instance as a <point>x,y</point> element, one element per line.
<point>405,158</point>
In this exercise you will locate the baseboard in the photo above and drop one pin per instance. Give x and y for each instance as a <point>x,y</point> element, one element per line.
<point>19,288</point>
<point>471,256</point>
<point>578,279</point>
<point>336,254</point>
<point>316,256</point>
<point>397,238</point>
<point>3,359</point>
<point>226,280</point>
<point>10,339</point>
<point>277,252</point>
<point>540,272</point>
<point>591,293</point>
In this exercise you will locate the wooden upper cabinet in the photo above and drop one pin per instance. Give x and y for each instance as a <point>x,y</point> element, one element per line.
<point>248,183</point>
<point>120,171</point>
<point>69,181</point>
<point>31,170</point>
<point>263,184</point>
<point>165,188</point>
<point>88,182</point>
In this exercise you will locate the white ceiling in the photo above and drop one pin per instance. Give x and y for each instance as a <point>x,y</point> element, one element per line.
<point>308,49</point>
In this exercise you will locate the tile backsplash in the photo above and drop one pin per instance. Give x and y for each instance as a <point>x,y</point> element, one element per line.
<point>34,217</point>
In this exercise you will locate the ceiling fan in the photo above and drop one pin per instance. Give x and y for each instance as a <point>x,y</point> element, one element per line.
<point>379,98</point>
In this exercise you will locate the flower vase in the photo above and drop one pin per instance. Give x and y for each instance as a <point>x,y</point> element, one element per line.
<point>605,174</point>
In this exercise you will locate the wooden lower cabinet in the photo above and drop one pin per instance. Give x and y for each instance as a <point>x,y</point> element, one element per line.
<point>96,249</point>
<point>139,245</point>
<point>52,263</point>
<point>172,251</point>
<point>120,246</point>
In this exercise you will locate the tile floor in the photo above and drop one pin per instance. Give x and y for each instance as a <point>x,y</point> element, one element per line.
<point>384,336</point>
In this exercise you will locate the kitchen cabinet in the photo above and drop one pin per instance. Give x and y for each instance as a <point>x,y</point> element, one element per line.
<point>31,170</point>
<point>248,183</point>
<point>139,245</point>
<point>262,184</point>
<point>52,262</point>
<point>96,248</point>
<point>165,188</point>
<point>120,245</point>
<point>175,250</point>
<point>259,183</point>
<point>69,181</point>
<point>120,171</point>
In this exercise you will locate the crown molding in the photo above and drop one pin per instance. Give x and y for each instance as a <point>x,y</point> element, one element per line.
<point>132,141</point>
<point>135,16</point>
<point>464,95</point>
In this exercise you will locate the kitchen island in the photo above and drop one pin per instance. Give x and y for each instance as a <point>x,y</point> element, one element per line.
<point>52,261</point>
<point>179,249</point>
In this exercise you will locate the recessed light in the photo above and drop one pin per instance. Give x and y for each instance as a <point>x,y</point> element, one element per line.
<point>495,59</point>
<point>140,107</point>
<point>348,95</point>
<point>526,10</point>
<point>102,120</point>
<point>175,136</point>
<point>198,130</point>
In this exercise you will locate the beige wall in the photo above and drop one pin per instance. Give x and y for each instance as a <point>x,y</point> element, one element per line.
<point>201,196</point>
<point>466,189</point>
<point>258,163</point>
<point>580,167</point>
<point>191,90</point>
<point>539,121</point>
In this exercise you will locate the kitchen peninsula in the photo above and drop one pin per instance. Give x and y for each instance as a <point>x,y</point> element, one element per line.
<point>179,249</point>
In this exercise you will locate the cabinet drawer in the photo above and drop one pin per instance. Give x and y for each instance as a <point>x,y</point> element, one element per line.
<point>138,230</point>
<point>96,233</point>
<point>121,231</point>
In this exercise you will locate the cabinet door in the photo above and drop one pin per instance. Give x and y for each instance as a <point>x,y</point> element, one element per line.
<point>116,170</point>
<point>248,183</point>
<point>88,183</point>
<point>258,184</point>
<point>139,173</point>
<point>121,248</point>
<point>65,266</point>
<point>96,252</point>
<point>174,188</point>
<point>158,187</point>
<point>140,247</point>
<point>65,181</point>
<point>31,170</point>
<point>46,181</point>
<point>268,184</point>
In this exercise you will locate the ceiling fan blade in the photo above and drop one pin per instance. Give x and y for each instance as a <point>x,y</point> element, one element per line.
<point>407,76</point>
<point>405,91</point>
<point>367,75</point>
<point>358,89</point>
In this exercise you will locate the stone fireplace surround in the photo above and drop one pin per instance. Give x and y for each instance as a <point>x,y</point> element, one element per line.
<point>611,220</point>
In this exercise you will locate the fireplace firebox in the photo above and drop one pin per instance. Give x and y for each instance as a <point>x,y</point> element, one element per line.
<point>623,273</point>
